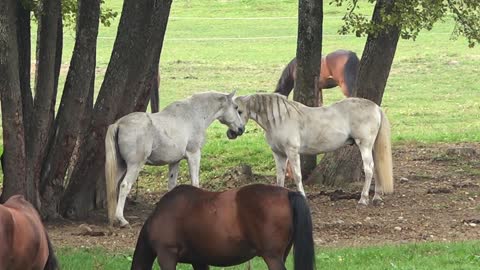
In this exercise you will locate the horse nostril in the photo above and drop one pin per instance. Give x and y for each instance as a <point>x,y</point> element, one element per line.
<point>240,130</point>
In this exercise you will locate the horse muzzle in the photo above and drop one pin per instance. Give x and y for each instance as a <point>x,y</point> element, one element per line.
<point>234,134</point>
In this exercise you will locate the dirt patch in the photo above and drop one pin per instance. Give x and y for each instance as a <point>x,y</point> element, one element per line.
<point>436,198</point>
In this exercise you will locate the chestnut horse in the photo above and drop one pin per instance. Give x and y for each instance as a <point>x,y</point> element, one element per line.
<point>202,228</point>
<point>24,242</point>
<point>338,68</point>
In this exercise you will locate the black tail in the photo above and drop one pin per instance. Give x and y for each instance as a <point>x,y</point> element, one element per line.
<point>351,71</point>
<point>52,262</point>
<point>303,251</point>
<point>286,82</point>
<point>154,96</point>
<point>144,255</point>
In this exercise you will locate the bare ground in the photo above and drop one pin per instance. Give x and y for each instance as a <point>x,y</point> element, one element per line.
<point>436,198</point>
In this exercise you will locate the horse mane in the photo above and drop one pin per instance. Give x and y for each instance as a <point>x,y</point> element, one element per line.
<point>286,82</point>
<point>274,108</point>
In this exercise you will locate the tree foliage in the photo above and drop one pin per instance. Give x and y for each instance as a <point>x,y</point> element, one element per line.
<point>412,16</point>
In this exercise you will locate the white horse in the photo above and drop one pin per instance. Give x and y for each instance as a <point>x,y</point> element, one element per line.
<point>166,137</point>
<point>292,129</point>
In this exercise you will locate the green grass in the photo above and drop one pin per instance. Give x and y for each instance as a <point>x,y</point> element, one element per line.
<point>465,255</point>
<point>432,95</point>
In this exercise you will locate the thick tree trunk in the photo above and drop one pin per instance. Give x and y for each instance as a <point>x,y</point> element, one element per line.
<point>144,22</point>
<point>309,54</point>
<point>344,165</point>
<point>14,155</point>
<point>75,101</point>
<point>43,105</point>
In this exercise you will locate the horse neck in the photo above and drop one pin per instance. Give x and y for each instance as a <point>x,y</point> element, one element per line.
<point>206,111</point>
<point>269,111</point>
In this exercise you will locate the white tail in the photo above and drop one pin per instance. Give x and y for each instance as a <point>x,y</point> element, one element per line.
<point>112,164</point>
<point>382,155</point>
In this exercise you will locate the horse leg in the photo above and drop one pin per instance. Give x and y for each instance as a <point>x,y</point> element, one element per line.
<point>274,263</point>
<point>377,198</point>
<point>280,164</point>
<point>200,266</point>
<point>166,260</point>
<point>294,159</point>
<point>130,177</point>
<point>172,175</point>
<point>193,159</point>
<point>367,158</point>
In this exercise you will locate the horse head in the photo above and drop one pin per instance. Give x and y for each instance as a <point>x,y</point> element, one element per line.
<point>231,117</point>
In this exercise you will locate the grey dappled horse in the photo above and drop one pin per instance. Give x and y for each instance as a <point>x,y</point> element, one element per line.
<point>166,137</point>
<point>292,129</point>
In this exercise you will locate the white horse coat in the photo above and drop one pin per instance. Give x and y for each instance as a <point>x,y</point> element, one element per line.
<point>292,128</point>
<point>176,133</point>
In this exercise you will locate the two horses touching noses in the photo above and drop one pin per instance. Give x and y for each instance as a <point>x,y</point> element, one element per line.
<point>24,243</point>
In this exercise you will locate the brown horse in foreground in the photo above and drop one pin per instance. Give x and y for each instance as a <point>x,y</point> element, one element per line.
<point>202,228</point>
<point>24,243</point>
<point>338,68</point>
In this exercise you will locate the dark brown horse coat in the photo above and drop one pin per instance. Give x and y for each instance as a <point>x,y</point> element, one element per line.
<point>24,243</point>
<point>191,225</point>
<point>338,68</point>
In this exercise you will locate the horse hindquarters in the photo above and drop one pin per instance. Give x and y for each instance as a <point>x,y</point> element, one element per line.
<point>304,253</point>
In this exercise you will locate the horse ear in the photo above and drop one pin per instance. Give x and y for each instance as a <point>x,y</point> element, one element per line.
<point>232,94</point>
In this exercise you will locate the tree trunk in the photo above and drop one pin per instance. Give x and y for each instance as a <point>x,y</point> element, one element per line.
<point>309,54</point>
<point>344,165</point>
<point>43,105</point>
<point>14,155</point>
<point>145,22</point>
<point>74,103</point>
<point>24,59</point>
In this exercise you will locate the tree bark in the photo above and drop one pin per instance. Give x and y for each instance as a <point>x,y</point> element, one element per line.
<point>24,59</point>
<point>74,103</point>
<point>43,105</point>
<point>344,165</point>
<point>14,155</point>
<point>309,54</point>
<point>144,22</point>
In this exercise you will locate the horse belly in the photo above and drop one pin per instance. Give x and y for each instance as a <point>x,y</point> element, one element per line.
<point>233,252</point>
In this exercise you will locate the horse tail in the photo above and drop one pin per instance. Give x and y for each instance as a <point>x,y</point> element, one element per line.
<point>350,71</point>
<point>144,254</point>
<point>382,155</point>
<point>286,82</point>
<point>52,262</point>
<point>112,163</point>
<point>303,252</point>
<point>154,97</point>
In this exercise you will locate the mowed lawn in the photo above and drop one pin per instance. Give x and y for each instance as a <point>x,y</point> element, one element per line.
<point>426,256</point>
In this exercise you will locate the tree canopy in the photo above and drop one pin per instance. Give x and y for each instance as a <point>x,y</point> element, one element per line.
<point>412,16</point>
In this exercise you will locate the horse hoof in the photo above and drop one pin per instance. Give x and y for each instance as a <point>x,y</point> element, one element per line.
<point>378,202</point>
<point>362,204</point>
<point>124,225</point>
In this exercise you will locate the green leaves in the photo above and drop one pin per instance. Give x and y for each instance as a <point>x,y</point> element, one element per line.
<point>412,16</point>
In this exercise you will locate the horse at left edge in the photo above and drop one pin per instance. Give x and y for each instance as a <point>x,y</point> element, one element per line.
<point>24,242</point>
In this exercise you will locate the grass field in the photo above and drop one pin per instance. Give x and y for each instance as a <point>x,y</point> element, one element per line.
<point>427,256</point>
<point>433,93</point>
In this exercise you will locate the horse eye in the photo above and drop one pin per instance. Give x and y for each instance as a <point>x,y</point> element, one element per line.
<point>240,112</point>
<point>236,107</point>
